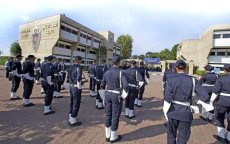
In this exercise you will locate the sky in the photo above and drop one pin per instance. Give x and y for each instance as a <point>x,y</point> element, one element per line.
<point>153,24</point>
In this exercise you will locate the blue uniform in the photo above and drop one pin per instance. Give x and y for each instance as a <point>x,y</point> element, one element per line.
<point>100,70</point>
<point>166,76</point>
<point>37,70</point>
<point>16,65</point>
<point>48,70</point>
<point>42,71</point>
<point>208,81</point>
<point>222,104</point>
<point>133,76</point>
<point>144,73</point>
<point>180,88</point>
<point>75,77</point>
<point>58,79</point>
<point>63,69</point>
<point>92,75</point>
<point>28,83</point>
<point>113,102</point>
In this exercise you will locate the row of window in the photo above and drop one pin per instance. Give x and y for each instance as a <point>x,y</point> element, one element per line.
<point>60,45</point>
<point>217,36</point>
<point>83,61</point>
<point>83,50</point>
<point>69,30</point>
<point>219,54</point>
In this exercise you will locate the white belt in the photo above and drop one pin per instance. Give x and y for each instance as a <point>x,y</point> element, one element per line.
<point>224,94</point>
<point>181,103</point>
<point>132,85</point>
<point>114,91</point>
<point>91,75</point>
<point>207,85</point>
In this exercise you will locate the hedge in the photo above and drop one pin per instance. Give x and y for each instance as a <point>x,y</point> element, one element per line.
<point>3,59</point>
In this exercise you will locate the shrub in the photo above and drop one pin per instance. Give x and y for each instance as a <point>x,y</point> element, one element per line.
<point>3,59</point>
<point>200,72</point>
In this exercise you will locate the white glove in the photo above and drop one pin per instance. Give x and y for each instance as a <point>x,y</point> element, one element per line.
<point>124,94</point>
<point>60,73</point>
<point>79,85</point>
<point>49,80</point>
<point>27,76</point>
<point>213,97</point>
<point>166,107</point>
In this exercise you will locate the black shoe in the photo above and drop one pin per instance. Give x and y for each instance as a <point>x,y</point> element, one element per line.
<point>107,139</point>
<point>136,105</point>
<point>42,92</point>
<point>139,105</point>
<point>165,124</point>
<point>209,120</point>
<point>127,116</point>
<point>116,140</point>
<point>50,112</point>
<point>58,97</point>
<point>75,124</point>
<point>28,105</point>
<point>220,138</point>
<point>227,141</point>
<point>205,119</point>
<point>132,117</point>
<point>17,98</point>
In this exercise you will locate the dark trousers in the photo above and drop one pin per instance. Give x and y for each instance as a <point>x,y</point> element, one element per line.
<point>63,78</point>
<point>220,113</point>
<point>38,75</point>
<point>92,83</point>
<point>7,73</point>
<point>98,95</point>
<point>174,127</point>
<point>15,83</point>
<point>28,88</point>
<point>113,107</point>
<point>75,101</point>
<point>141,92</point>
<point>130,99</point>
<point>49,90</point>
<point>57,86</point>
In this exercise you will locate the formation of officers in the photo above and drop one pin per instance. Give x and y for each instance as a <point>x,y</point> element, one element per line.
<point>180,90</point>
<point>111,85</point>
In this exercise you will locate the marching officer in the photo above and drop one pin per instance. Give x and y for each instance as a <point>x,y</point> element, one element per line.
<point>16,77</point>
<point>208,81</point>
<point>92,81</point>
<point>37,71</point>
<point>75,80</point>
<point>8,66</point>
<point>63,72</point>
<point>221,96</point>
<point>115,80</point>
<point>134,78</point>
<point>100,70</point>
<point>178,96</point>
<point>144,73</point>
<point>58,79</point>
<point>168,73</point>
<point>42,65</point>
<point>48,71</point>
<point>28,80</point>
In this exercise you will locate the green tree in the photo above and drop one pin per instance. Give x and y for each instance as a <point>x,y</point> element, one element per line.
<point>135,57</point>
<point>141,57</point>
<point>15,49</point>
<point>173,52</point>
<point>164,54</point>
<point>126,43</point>
<point>102,52</point>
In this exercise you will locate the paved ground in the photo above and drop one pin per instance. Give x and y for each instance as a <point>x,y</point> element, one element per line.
<point>19,125</point>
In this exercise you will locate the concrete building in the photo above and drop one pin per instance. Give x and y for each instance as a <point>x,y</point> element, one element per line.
<point>213,47</point>
<point>63,37</point>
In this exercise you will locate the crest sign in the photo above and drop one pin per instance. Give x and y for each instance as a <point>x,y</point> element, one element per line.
<point>35,38</point>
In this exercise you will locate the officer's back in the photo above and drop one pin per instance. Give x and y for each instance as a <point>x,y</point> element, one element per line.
<point>75,74</point>
<point>112,78</point>
<point>131,75</point>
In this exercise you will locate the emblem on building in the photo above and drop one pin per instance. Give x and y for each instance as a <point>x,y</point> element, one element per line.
<point>35,38</point>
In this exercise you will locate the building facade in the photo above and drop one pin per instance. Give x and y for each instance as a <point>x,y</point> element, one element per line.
<point>65,38</point>
<point>213,47</point>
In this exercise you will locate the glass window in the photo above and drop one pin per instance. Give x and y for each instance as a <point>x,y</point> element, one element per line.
<point>56,45</point>
<point>216,36</point>
<point>68,29</point>
<point>61,45</point>
<point>67,60</point>
<point>228,53</point>
<point>89,38</point>
<point>78,49</point>
<point>74,32</point>
<point>212,53</point>
<point>220,53</point>
<point>226,35</point>
<point>82,50</point>
<point>62,27</point>
<point>67,47</point>
<point>82,61</point>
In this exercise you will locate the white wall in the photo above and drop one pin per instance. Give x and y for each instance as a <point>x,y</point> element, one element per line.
<point>61,51</point>
<point>222,42</point>
<point>69,36</point>
<point>218,59</point>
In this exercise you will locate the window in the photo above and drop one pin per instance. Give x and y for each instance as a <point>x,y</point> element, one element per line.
<point>78,49</point>
<point>56,45</point>
<point>92,52</point>
<point>82,50</point>
<point>74,32</point>
<point>67,47</point>
<point>82,61</point>
<point>67,60</point>
<point>212,53</point>
<point>228,53</point>
<point>216,36</point>
<point>61,45</point>
<point>68,29</point>
<point>226,35</point>
<point>220,53</point>
<point>62,27</point>
<point>89,38</point>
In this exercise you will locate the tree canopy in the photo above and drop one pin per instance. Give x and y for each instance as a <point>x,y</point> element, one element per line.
<point>15,49</point>
<point>126,42</point>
